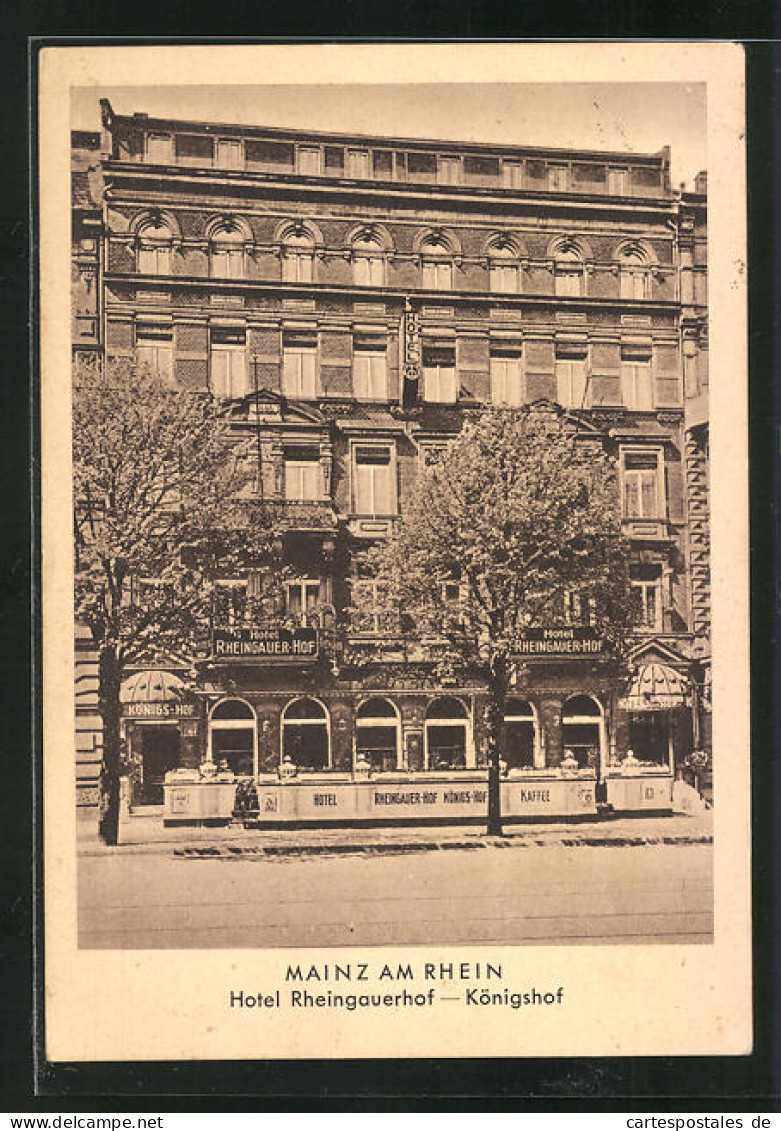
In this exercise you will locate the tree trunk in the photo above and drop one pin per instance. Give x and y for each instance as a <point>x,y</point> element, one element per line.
<point>497,699</point>
<point>110,680</point>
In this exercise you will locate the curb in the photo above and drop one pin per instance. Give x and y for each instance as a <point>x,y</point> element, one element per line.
<point>389,848</point>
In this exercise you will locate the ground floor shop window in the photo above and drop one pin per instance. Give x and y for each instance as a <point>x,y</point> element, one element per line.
<point>581,730</point>
<point>377,734</point>
<point>520,734</point>
<point>446,735</point>
<point>305,734</point>
<point>233,736</point>
<point>157,748</point>
<point>651,737</point>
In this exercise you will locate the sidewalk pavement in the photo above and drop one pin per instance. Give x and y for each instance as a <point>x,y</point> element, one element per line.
<point>147,834</point>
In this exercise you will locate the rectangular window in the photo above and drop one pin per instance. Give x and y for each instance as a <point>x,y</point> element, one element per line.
<point>310,160</point>
<point>159,149</point>
<point>449,171</point>
<point>642,485</point>
<point>302,598</point>
<point>299,365</point>
<point>227,262</point>
<point>369,270</point>
<point>437,274</point>
<point>558,178</point>
<point>617,182</point>
<point>572,389</point>
<point>369,607</point>
<point>647,608</point>
<point>578,607</point>
<point>634,283</point>
<point>568,280</point>
<point>370,370</point>
<point>297,266</point>
<point>506,376</point>
<point>637,380</point>
<point>374,486</point>
<point>229,155</point>
<point>154,258</point>
<point>154,350</point>
<point>303,474</point>
<point>513,174</point>
<point>504,278</point>
<point>439,374</point>
<point>358,163</point>
<point>228,363</point>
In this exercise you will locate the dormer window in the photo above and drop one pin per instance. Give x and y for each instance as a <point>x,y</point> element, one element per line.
<point>358,166</point>
<point>229,154</point>
<point>309,160</point>
<point>159,149</point>
<point>449,171</point>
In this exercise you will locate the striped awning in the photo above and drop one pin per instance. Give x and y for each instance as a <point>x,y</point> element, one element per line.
<point>151,686</point>
<point>656,687</point>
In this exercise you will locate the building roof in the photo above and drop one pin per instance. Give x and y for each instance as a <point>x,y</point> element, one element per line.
<point>144,121</point>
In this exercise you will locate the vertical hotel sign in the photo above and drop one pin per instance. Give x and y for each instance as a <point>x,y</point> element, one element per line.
<point>409,337</point>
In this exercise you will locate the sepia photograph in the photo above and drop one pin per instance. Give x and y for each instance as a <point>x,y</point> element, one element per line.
<point>390,480</point>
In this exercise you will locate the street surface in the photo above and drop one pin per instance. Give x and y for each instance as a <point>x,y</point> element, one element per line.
<point>552,894</point>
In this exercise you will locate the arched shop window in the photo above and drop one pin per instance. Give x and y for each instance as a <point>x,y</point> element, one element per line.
<point>306,734</point>
<point>233,736</point>
<point>520,734</point>
<point>377,734</point>
<point>581,730</point>
<point>446,734</point>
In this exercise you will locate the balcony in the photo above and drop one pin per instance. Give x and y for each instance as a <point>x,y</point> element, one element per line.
<point>307,516</point>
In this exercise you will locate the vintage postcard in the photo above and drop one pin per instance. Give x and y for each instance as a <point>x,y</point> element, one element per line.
<point>395,551</point>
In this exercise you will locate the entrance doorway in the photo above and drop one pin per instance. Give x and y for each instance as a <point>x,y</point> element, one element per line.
<point>520,734</point>
<point>650,737</point>
<point>159,754</point>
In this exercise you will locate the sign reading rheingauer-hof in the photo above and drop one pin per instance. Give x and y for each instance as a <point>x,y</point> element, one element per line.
<point>249,643</point>
<point>561,640</point>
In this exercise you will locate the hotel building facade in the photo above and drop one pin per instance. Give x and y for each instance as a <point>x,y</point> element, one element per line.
<point>354,297</point>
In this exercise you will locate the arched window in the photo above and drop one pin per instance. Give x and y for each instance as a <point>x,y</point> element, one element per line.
<point>377,734</point>
<point>154,240</point>
<point>582,731</point>
<point>437,263</point>
<point>503,269</point>
<point>568,270</point>
<point>634,275</point>
<point>520,734</point>
<point>298,256</point>
<point>233,736</point>
<point>446,735</point>
<point>226,252</point>
<point>306,734</point>
<point>368,261</point>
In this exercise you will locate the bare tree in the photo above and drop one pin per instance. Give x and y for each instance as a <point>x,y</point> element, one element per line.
<point>516,525</point>
<point>163,507</point>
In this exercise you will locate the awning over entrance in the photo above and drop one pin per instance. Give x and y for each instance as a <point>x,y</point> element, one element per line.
<point>656,687</point>
<point>152,686</point>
